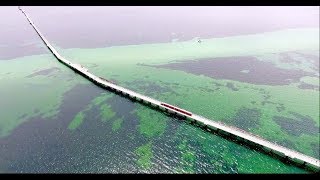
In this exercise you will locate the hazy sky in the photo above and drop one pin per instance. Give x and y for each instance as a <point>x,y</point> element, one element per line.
<point>91,26</point>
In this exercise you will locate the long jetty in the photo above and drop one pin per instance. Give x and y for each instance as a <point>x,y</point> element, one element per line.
<point>237,135</point>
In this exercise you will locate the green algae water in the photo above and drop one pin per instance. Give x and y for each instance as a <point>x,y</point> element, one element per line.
<point>54,120</point>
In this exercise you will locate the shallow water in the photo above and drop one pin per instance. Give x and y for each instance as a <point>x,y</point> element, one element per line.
<point>53,120</point>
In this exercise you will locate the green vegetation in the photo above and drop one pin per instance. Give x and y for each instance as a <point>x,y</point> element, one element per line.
<point>144,154</point>
<point>36,97</point>
<point>187,158</point>
<point>24,97</point>
<point>76,122</point>
<point>100,99</point>
<point>152,123</point>
<point>116,125</point>
<point>106,112</point>
<point>223,153</point>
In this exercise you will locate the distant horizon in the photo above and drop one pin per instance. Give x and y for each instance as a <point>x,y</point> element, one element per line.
<point>95,26</point>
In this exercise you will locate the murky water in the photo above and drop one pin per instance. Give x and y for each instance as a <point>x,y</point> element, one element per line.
<point>244,69</point>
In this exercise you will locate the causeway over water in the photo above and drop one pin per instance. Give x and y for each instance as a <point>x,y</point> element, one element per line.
<point>240,136</point>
